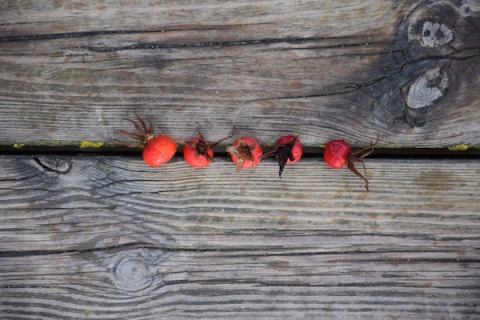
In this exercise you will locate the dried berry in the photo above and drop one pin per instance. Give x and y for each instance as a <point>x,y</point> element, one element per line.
<point>288,150</point>
<point>245,152</point>
<point>338,153</point>
<point>158,150</point>
<point>198,152</point>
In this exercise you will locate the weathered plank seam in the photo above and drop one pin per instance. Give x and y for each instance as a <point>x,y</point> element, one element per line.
<point>54,36</point>
<point>250,252</point>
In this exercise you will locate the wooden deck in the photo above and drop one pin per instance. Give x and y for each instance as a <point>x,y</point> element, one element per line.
<point>103,236</point>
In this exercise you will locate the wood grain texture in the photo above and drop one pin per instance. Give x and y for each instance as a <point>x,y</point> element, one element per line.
<point>110,238</point>
<point>72,71</point>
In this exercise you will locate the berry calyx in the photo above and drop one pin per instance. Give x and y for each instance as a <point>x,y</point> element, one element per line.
<point>198,152</point>
<point>338,153</point>
<point>157,150</point>
<point>288,150</point>
<point>245,152</point>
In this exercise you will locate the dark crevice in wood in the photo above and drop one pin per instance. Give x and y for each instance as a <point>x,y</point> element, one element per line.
<point>180,44</point>
<point>54,36</point>
<point>26,253</point>
<point>309,152</point>
<point>234,43</point>
<point>271,251</point>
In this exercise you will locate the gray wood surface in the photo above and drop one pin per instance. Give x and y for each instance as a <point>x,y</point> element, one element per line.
<point>407,70</point>
<point>102,237</point>
<point>107,237</point>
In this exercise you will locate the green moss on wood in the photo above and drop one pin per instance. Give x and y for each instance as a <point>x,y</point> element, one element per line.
<point>90,144</point>
<point>458,147</point>
<point>18,145</point>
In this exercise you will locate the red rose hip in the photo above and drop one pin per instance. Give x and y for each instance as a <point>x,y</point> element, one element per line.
<point>158,150</point>
<point>338,153</point>
<point>288,150</point>
<point>245,152</point>
<point>198,152</point>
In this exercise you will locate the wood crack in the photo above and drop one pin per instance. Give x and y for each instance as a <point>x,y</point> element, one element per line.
<point>238,252</point>
<point>54,36</point>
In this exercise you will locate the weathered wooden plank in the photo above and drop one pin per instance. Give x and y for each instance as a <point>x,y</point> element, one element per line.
<point>408,70</point>
<point>149,284</point>
<point>109,238</point>
<point>242,20</point>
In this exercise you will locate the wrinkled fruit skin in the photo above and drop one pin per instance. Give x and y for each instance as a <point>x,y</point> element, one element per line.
<point>193,158</point>
<point>336,153</point>
<point>256,152</point>
<point>159,150</point>
<point>297,149</point>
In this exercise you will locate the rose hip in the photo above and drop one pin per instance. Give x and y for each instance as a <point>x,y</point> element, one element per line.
<point>288,150</point>
<point>157,150</point>
<point>198,152</point>
<point>245,152</point>
<point>338,153</point>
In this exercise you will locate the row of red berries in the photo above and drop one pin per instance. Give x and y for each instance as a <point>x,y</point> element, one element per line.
<point>245,152</point>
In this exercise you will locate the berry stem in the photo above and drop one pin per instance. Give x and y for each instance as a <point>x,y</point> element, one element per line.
<point>357,156</point>
<point>351,166</point>
<point>213,145</point>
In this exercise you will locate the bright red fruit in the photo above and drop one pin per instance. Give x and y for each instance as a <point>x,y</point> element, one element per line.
<point>246,152</point>
<point>158,150</point>
<point>198,152</point>
<point>288,150</point>
<point>338,153</point>
<point>196,158</point>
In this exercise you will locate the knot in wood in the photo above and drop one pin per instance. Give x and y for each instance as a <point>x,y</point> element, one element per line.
<point>469,8</point>
<point>55,164</point>
<point>133,274</point>
<point>427,88</point>
<point>436,28</point>
<point>435,34</point>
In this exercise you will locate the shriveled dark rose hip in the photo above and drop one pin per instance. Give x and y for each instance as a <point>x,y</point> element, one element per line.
<point>288,150</point>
